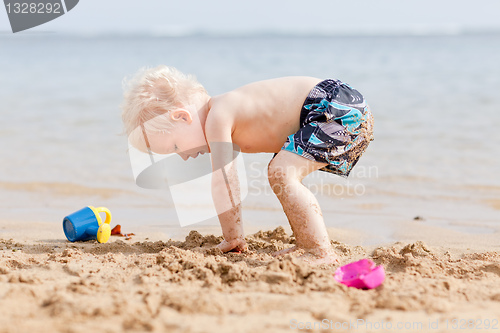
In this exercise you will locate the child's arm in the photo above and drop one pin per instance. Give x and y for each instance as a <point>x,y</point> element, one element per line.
<point>225,183</point>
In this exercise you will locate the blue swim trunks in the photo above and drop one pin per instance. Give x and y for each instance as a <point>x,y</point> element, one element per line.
<point>336,126</point>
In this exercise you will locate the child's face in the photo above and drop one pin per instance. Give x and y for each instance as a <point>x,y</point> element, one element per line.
<point>186,138</point>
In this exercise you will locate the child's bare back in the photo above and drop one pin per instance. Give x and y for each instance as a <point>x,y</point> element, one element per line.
<point>264,113</point>
<point>308,123</point>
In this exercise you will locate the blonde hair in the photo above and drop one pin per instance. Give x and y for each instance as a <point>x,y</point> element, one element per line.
<point>152,93</point>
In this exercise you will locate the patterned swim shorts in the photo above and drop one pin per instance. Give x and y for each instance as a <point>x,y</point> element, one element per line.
<point>336,126</point>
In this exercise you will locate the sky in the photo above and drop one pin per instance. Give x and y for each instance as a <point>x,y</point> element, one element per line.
<point>166,17</point>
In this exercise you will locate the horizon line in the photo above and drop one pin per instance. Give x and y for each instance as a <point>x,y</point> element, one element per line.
<point>174,33</point>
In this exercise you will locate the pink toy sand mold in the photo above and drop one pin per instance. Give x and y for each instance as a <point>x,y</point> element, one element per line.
<point>361,274</point>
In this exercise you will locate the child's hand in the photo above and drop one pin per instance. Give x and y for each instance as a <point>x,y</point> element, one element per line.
<point>235,245</point>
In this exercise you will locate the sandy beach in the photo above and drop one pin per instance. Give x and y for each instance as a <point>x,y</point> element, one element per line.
<point>423,201</point>
<point>146,284</point>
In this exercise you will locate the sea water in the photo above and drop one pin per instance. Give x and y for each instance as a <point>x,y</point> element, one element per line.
<point>435,100</point>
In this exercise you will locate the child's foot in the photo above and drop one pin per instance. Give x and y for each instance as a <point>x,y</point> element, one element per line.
<point>286,251</point>
<point>235,245</point>
<point>320,257</point>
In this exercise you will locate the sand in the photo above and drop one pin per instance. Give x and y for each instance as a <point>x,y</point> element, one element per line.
<point>150,285</point>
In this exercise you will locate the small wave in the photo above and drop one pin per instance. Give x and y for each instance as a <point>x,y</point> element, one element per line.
<point>63,189</point>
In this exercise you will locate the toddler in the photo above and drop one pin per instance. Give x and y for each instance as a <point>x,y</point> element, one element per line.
<point>308,123</point>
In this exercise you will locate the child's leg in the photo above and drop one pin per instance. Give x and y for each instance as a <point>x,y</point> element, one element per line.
<point>286,172</point>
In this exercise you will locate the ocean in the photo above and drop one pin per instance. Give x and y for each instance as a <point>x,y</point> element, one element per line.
<point>435,100</point>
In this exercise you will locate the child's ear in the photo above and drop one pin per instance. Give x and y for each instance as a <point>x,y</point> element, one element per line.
<point>181,114</point>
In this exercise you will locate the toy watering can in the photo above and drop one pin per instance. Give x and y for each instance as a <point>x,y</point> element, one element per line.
<point>86,224</point>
